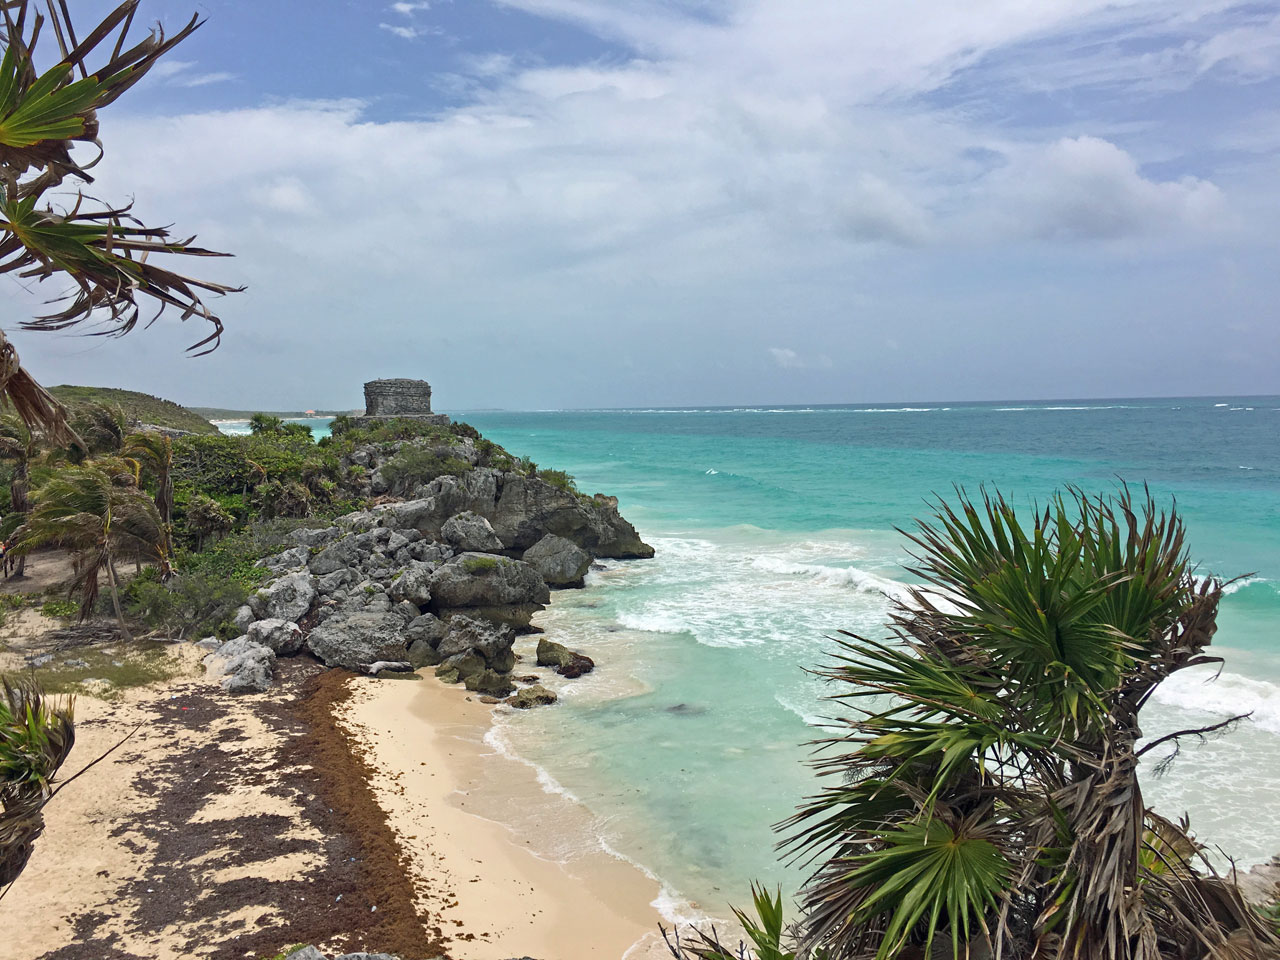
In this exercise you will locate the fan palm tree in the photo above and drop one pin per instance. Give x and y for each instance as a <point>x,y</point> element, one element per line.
<point>98,511</point>
<point>109,257</point>
<point>36,735</point>
<point>986,791</point>
<point>155,452</point>
<point>17,443</point>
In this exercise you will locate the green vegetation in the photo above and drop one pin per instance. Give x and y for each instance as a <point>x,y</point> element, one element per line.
<point>983,800</point>
<point>139,407</point>
<point>480,564</point>
<point>36,735</point>
<point>60,609</point>
<point>108,670</point>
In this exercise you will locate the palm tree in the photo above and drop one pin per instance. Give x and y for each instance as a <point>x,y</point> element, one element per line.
<point>18,444</point>
<point>986,791</point>
<point>97,511</point>
<point>265,423</point>
<point>155,452</point>
<point>110,257</point>
<point>36,735</point>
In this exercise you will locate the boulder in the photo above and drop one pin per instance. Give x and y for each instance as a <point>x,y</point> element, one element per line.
<point>288,598</point>
<point>484,580</point>
<point>470,532</point>
<point>535,696</point>
<point>560,562</point>
<point>305,953</point>
<point>413,583</point>
<point>241,666</point>
<point>489,682</point>
<point>422,654</point>
<point>314,538</point>
<point>530,508</point>
<point>429,551</point>
<point>287,560</point>
<point>428,628</point>
<point>281,636</point>
<point>244,616</point>
<point>460,666</point>
<point>353,640</point>
<point>421,515</point>
<point>331,583</point>
<point>490,640</point>
<point>337,556</point>
<point>567,663</point>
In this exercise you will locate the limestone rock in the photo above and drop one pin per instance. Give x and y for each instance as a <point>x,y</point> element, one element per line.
<point>314,538</point>
<point>470,532</point>
<point>560,562</point>
<point>329,584</point>
<point>241,666</point>
<point>287,560</point>
<point>529,509</point>
<point>489,640</point>
<point>484,580</point>
<point>355,639</point>
<point>489,682</point>
<point>413,583</point>
<point>288,598</point>
<point>242,619</point>
<point>428,628</point>
<point>567,663</point>
<point>281,636</point>
<point>535,696</point>
<point>461,666</point>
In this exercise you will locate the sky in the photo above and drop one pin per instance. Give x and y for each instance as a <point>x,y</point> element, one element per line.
<point>541,204</point>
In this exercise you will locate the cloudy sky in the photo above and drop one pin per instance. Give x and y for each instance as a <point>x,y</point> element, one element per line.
<point>580,203</point>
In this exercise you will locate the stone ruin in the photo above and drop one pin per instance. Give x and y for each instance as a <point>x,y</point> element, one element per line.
<point>398,399</point>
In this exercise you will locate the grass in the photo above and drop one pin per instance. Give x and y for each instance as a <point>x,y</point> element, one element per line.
<point>480,564</point>
<point>135,665</point>
<point>139,406</point>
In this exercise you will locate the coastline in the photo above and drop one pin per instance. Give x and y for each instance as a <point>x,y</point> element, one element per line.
<point>435,775</point>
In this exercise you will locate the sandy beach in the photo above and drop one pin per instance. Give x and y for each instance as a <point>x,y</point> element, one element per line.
<point>426,741</point>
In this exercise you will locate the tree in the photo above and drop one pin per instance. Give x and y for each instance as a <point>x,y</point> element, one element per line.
<point>155,452</point>
<point>986,791</point>
<point>111,259</point>
<point>36,735</point>
<point>265,423</point>
<point>18,444</point>
<point>98,511</point>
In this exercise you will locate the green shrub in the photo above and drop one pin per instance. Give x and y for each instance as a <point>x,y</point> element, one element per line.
<point>465,430</point>
<point>192,604</point>
<point>415,465</point>
<point>60,609</point>
<point>558,479</point>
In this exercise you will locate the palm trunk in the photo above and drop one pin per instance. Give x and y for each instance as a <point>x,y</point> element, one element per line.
<point>18,503</point>
<point>115,597</point>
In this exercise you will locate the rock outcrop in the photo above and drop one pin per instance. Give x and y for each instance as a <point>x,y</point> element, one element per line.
<point>560,562</point>
<point>241,666</point>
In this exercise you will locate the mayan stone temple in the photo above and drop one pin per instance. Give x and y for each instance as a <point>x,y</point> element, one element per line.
<point>399,399</point>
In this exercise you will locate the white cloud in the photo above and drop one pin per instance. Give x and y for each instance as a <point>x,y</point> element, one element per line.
<point>408,33</point>
<point>409,9</point>
<point>1086,188</point>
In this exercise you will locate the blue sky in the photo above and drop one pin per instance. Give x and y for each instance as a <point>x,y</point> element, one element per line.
<point>569,203</point>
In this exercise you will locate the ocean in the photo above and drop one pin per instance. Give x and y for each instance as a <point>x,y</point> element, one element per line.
<point>775,527</point>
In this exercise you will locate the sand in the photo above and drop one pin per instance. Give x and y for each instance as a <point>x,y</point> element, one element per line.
<point>427,742</point>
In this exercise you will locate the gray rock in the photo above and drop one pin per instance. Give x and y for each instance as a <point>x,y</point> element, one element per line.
<point>353,640</point>
<point>244,616</point>
<point>314,538</point>
<point>560,562</point>
<point>406,610</point>
<point>567,662</point>
<point>530,508</point>
<point>209,643</point>
<point>40,660</point>
<point>287,560</point>
<point>365,956</point>
<point>490,640</point>
<point>357,522</point>
<point>337,556</point>
<point>429,551</point>
<point>422,654</point>
<point>395,543</point>
<point>413,583</point>
<point>305,953</point>
<point>534,696</point>
<point>428,628</point>
<point>241,666</point>
<point>490,683</point>
<point>482,580</point>
<point>331,583</point>
<point>420,515</point>
<point>470,531</point>
<point>288,598</point>
<point>281,636</point>
<point>461,666</point>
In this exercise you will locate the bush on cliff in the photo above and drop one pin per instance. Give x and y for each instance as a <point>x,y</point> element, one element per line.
<point>415,465</point>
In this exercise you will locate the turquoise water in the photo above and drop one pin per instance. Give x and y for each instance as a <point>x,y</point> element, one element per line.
<point>774,528</point>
